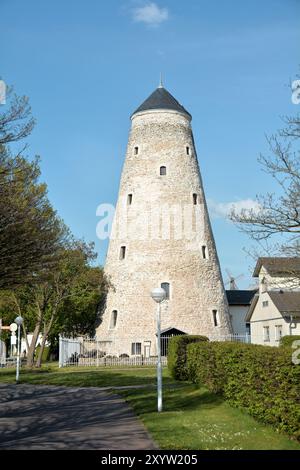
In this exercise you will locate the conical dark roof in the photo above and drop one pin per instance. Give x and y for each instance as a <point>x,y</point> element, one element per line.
<point>161,99</point>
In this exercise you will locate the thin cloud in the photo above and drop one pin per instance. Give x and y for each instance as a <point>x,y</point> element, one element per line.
<point>150,14</point>
<point>221,210</point>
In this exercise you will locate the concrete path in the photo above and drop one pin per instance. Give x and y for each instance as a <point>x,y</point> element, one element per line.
<point>49,417</point>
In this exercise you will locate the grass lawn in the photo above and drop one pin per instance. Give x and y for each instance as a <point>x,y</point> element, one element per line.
<point>84,376</point>
<point>193,418</point>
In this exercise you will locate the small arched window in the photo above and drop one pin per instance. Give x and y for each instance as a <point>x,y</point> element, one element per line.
<point>136,150</point>
<point>195,199</point>
<point>166,287</point>
<point>163,171</point>
<point>113,319</point>
<point>129,199</point>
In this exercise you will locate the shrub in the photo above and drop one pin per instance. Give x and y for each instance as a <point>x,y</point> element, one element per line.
<point>201,367</point>
<point>177,354</point>
<point>261,380</point>
<point>288,340</point>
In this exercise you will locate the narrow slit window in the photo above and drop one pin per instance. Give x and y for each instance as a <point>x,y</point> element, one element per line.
<point>215,317</point>
<point>113,319</point>
<point>136,150</point>
<point>166,287</point>
<point>163,171</point>
<point>204,253</point>
<point>188,150</point>
<point>195,199</point>
<point>122,252</point>
<point>129,199</point>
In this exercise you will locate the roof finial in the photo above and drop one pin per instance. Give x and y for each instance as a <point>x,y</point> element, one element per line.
<point>160,81</point>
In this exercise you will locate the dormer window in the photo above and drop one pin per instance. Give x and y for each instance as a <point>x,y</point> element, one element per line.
<point>264,286</point>
<point>163,171</point>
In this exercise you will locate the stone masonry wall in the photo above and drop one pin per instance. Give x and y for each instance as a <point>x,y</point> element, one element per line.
<point>196,287</point>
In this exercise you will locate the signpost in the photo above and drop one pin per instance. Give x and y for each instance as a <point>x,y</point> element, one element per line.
<point>19,321</point>
<point>13,327</point>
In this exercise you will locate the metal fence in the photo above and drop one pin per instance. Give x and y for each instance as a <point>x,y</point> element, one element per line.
<point>90,352</point>
<point>2,353</point>
<point>234,337</point>
<point>11,362</point>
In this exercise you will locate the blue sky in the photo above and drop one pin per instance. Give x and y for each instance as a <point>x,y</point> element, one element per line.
<point>87,65</point>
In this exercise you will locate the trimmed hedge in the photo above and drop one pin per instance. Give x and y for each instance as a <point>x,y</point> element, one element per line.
<point>261,380</point>
<point>288,340</point>
<point>177,354</point>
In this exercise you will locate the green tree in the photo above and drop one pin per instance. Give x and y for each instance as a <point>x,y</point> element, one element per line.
<point>16,121</point>
<point>67,301</point>
<point>31,233</point>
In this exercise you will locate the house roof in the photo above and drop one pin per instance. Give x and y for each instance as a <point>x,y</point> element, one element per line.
<point>172,331</point>
<point>286,301</point>
<point>277,265</point>
<point>252,307</point>
<point>240,297</point>
<point>161,99</point>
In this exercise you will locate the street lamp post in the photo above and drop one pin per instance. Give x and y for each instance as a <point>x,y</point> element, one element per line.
<point>158,295</point>
<point>18,321</point>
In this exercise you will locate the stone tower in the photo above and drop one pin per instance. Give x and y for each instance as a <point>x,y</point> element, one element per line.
<point>161,236</point>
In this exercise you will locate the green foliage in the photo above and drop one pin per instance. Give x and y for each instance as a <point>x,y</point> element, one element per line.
<point>261,380</point>
<point>31,233</point>
<point>288,340</point>
<point>45,275</point>
<point>177,354</point>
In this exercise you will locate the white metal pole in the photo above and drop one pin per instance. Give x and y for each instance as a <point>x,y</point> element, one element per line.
<point>18,354</point>
<point>60,360</point>
<point>159,369</point>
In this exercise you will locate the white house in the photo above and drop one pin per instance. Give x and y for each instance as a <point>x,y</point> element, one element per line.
<point>275,310</point>
<point>239,302</point>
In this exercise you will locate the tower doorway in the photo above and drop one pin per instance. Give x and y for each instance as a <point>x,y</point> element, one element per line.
<point>165,337</point>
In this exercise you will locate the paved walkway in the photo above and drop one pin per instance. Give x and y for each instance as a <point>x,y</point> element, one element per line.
<point>49,417</point>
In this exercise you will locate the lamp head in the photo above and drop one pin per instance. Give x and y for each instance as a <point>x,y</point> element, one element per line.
<point>19,321</point>
<point>158,294</point>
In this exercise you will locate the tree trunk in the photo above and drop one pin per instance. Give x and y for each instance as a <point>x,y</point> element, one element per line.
<point>31,350</point>
<point>45,336</point>
<point>25,336</point>
<point>23,324</point>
